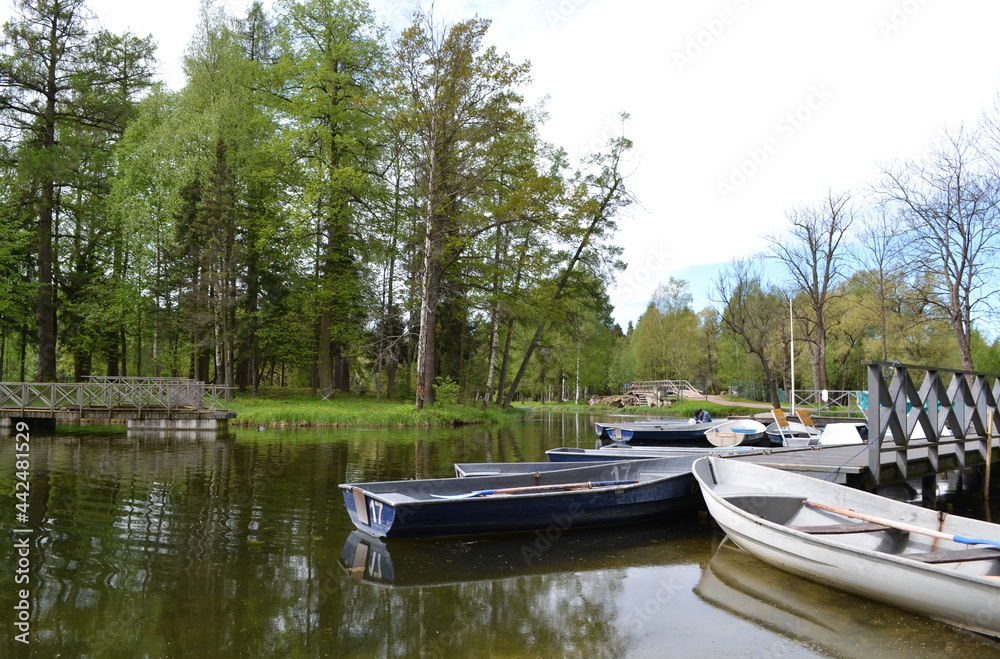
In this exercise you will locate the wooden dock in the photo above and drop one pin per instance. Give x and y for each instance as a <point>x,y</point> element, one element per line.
<point>849,465</point>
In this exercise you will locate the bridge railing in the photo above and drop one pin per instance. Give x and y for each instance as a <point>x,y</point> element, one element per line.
<point>950,407</point>
<point>832,403</point>
<point>678,388</point>
<point>115,393</point>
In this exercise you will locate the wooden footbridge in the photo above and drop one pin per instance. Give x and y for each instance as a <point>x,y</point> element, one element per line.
<point>654,393</point>
<point>142,404</point>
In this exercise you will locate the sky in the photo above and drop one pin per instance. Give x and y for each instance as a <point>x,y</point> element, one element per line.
<point>740,110</point>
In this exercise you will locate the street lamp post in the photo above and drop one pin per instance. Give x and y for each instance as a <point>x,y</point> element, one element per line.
<point>791,325</point>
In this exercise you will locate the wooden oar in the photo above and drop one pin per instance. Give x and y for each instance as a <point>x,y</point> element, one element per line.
<point>533,488</point>
<point>902,526</point>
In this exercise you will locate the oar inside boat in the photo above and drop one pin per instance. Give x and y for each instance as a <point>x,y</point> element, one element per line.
<point>902,526</point>
<point>534,488</point>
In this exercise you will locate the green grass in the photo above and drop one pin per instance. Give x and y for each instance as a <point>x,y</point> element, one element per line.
<point>687,409</point>
<point>290,407</point>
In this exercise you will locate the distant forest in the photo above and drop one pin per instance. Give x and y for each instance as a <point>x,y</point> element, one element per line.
<point>328,205</point>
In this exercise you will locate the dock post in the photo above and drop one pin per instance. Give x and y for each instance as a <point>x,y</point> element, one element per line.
<point>928,488</point>
<point>989,454</point>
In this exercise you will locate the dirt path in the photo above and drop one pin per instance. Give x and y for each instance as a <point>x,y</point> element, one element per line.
<point>722,400</point>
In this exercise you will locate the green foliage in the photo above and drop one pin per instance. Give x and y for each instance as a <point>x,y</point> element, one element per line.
<point>445,391</point>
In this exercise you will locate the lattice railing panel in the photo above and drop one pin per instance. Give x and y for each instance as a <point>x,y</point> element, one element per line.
<point>114,393</point>
<point>933,414</point>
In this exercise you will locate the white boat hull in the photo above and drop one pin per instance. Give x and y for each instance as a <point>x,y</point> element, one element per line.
<point>740,432</point>
<point>758,506</point>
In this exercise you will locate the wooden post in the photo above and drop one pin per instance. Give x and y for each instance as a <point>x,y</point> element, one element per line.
<point>989,454</point>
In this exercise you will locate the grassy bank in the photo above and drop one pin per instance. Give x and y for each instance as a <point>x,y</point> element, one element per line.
<point>285,407</point>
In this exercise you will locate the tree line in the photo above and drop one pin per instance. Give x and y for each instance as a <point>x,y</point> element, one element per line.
<point>902,269</point>
<point>322,204</point>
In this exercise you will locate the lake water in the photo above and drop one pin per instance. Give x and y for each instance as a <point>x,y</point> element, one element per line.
<point>243,548</point>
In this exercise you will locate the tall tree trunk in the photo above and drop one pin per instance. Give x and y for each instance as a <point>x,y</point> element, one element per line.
<point>24,350</point>
<point>425,337</point>
<point>138,342</point>
<point>325,361</point>
<point>46,297</point>
<point>576,395</point>
<point>46,306</point>
<point>494,335</point>
<point>505,362</point>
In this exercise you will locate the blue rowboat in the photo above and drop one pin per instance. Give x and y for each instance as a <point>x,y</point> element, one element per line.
<point>571,454</point>
<point>471,469</point>
<point>567,498</point>
<point>662,434</point>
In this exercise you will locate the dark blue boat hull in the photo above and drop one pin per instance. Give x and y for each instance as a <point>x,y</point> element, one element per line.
<point>570,455</point>
<point>402,509</point>
<point>666,435</point>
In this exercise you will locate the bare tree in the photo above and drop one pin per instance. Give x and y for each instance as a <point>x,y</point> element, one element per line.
<point>880,257</point>
<point>814,255</point>
<point>948,202</point>
<point>752,313</point>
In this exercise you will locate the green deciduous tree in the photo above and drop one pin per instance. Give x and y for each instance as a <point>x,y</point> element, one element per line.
<point>65,94</point>
<point>331,59</point>
<point>459,100</point>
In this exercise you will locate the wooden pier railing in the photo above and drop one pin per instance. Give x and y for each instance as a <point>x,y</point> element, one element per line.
<point>950,407</point>
<point>665,388</point>
<point>842,403</point>
<point>115,393</point>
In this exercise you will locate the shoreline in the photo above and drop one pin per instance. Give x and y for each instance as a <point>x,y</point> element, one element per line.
<point>290,408</point>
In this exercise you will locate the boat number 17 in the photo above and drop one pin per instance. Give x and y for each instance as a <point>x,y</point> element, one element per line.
<point>375,508</point>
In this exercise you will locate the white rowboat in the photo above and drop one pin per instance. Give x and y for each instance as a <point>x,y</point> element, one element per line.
<point>940,565</point>
<point>739,432</point>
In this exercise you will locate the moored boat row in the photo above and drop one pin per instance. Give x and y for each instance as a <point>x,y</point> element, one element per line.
<point>943,566</point>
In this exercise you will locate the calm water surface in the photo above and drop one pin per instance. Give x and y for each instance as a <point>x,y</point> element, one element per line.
<point>243,548</point>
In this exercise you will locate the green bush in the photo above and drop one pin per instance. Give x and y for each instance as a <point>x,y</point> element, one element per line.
<point>445,391</point>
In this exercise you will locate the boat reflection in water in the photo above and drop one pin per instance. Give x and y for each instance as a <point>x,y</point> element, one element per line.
<point>407,562</point>
<point>830,620</point>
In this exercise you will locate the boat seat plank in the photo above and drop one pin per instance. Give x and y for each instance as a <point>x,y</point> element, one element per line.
<point>829,529</point>
<point>956,555</point>
<point>647,476</point>
<point>395,497</point>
